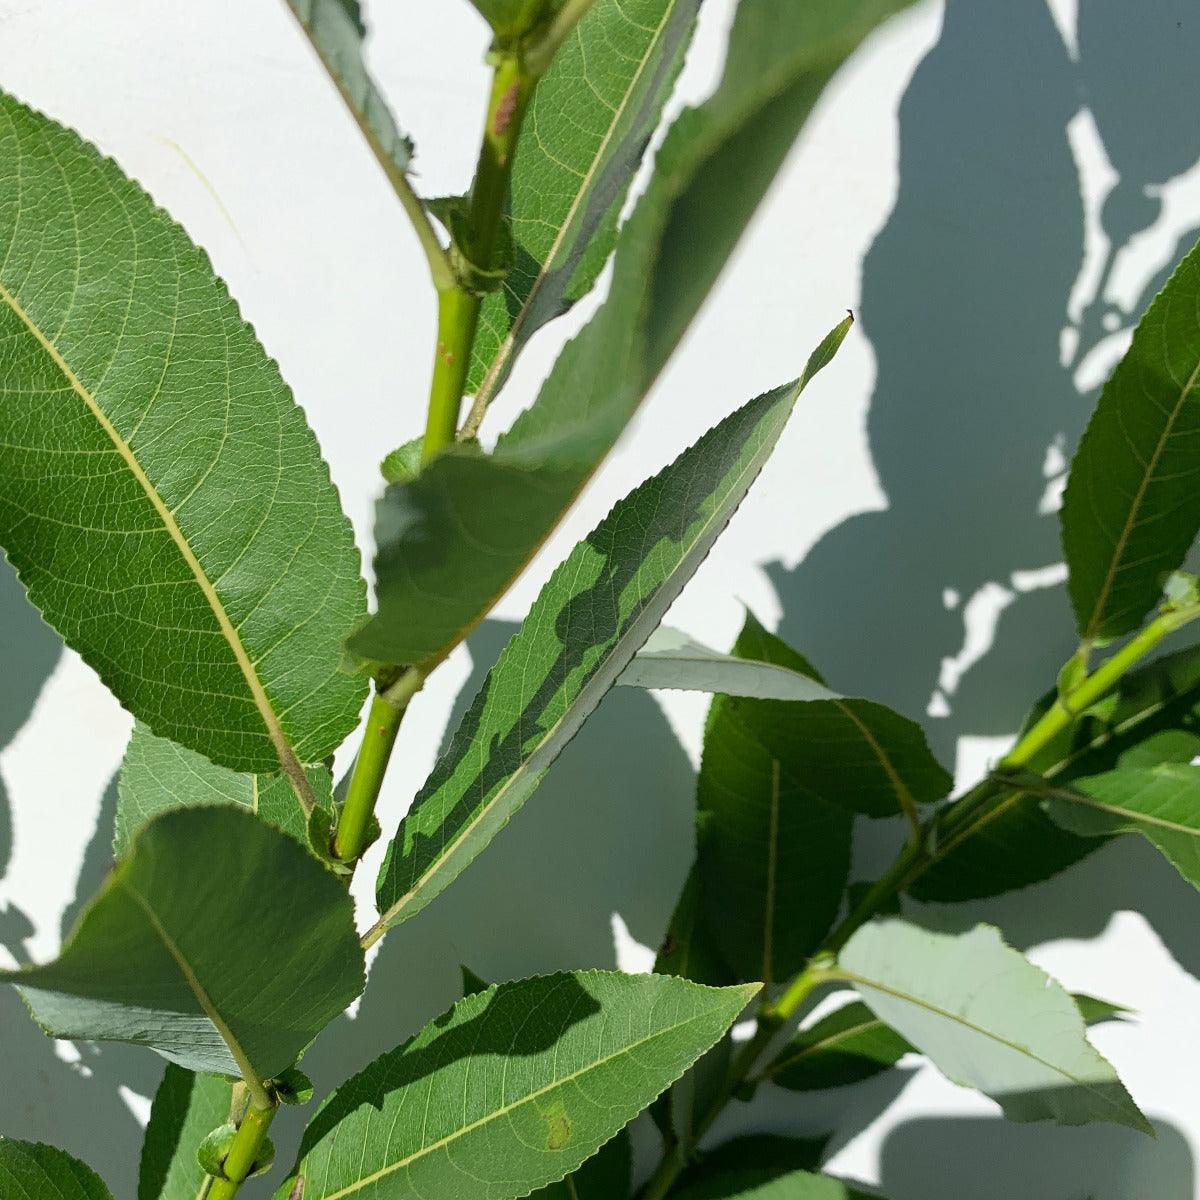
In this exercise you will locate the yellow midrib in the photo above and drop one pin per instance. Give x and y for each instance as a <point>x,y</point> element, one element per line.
<point>287,756</point>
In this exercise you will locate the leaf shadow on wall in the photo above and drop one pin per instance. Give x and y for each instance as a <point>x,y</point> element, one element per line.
<point>971,303</point>
<point>73,1104</point>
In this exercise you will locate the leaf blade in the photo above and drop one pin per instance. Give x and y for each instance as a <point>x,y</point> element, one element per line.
<point>579,636</point>
<point>187,1108</point>
<point>773,862</point>
<point>1130,512</point>
<point>580,145</point>
<point>37,1172</point>
<point>158,775</point>
<point>988,1019</point>
<point>521,1130</point>
<point>216,623</point>
<point>1149,718</point>
<point>710,175</point>
<point>164,908</point>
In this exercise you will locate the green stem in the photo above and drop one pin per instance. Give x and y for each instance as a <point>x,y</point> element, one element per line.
<point>771,1020</point>
<point>1064,711</point>
<point>246,1149</point>
<point>366,780</point>
<point>541,53</point>
<point>458,319</point>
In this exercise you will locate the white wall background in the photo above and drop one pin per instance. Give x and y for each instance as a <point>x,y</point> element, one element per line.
<point>994,190</point>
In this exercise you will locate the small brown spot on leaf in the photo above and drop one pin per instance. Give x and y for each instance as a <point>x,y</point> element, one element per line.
<point>558,1129</point>
<point>297,1192</point>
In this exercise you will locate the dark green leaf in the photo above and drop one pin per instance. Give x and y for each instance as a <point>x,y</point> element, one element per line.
<point>773,863</point>
<point>596,611</point>
<point>763,1152</point>
<point>688,949</point>
<point>1152,717</point>
<point>988,1019</point>
<point>511,18</point>
<point>336,30</point>
<point>160,494</point>
<point>31,1171</point>
<point>1162,803</point>
<point>605,1176</point>
<point>511,1090</point>
<point>467,526</point>
<point>218,942</point>
<point>849,752</point>
<point>1132,506</point>
<point>158,774</point>
<point>845,1047</point>
<point>583,138</point>
<point>187,1108</point>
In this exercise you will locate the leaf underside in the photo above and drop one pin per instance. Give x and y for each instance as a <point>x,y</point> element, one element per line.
<point>988,1019</point>
<point>232,971</point>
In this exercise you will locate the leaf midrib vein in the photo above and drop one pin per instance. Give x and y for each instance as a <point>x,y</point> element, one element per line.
<point>287,756</point>
<point>1098,609</point>
<point>958,1019</point>
<point>505,1109</point>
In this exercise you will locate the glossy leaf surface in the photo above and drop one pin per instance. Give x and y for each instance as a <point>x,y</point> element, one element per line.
<point>1150,718</point>
<point>32,1171</point>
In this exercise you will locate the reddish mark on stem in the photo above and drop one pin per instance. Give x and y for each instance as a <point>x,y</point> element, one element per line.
<point>506,110</point>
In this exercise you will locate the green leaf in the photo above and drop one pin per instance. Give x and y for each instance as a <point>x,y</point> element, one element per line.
<point>511,18</point>
<point>582,140</point>
<point>1162,803</point>
<point>187,1108</point>
<point>852,1044</point>
<point>775,857</point>
<point>218,942</point>
<point>31,1171</point>
<point>605,1176</point>
<point>598,608</point>
<point>989,1019</point>
<point>158,774</point>
<point>1132,506</point>
<point>849,752</point>
<point>847,1046</point>
<point>465,529</point>
<point>688,949</point>
<point>763,1183</point>
<point>336,30</point>
<point>765,1152</point>
<point>672,660</point>
<point>1152,717</point>
<point>512,1089</point>
<point>161,497</point>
